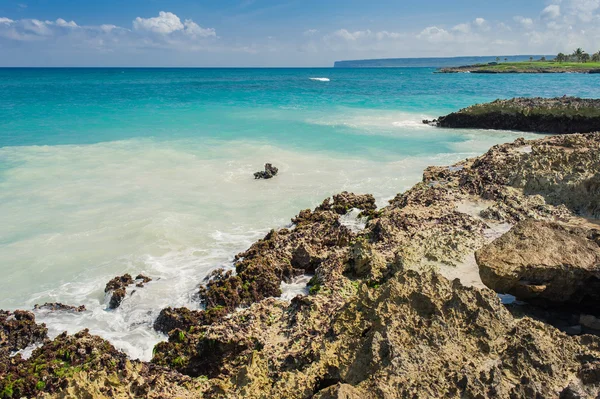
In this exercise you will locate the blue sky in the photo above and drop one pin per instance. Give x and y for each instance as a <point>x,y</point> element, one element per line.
<point>285,33</point>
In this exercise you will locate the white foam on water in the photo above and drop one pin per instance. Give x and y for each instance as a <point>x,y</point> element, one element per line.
<point>26,352</point>
<point>376,122</point>
<point>298,286</point>
<point>321,79</point>
<point>353,221</point>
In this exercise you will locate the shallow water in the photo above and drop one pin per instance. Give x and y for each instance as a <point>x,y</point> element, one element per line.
<point>104,172</point>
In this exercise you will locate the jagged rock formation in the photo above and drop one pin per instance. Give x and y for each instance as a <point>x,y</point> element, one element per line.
<point>561,115</point>
<point>380,321</point>
<point>545,260</point>
<point>18,330</point>
<point>117,288</point>
<point>269,172</point>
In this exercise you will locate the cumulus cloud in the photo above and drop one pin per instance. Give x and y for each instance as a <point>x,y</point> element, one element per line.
<point>434,34</point>
<point>165,23</point>
<point>551,12</point>
<point>65,24</point>
<point>168,23</point>
<point>559,25</point>
<point>196,31</point>
<point>526,23</point>
<point>462,28</point>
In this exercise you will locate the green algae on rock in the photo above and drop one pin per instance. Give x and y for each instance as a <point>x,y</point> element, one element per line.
<point>384,321</point>
<point>561,115</point>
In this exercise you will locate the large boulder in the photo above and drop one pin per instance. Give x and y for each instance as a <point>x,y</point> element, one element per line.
<point>544,260</point>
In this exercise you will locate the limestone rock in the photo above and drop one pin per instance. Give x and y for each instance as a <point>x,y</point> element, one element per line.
<point>117,288</point>
<point>559,115</point>
<point>543,260</point>
<point>269,172</point>
<point>59,307</point>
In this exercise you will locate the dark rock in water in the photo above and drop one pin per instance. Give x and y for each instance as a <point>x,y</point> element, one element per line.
<point>118,288</point>
<point>18,330</point>
<point>269,172</point>
<point>59,307</point>
<point>142,280</point>
<point>561,115</point>
<point>544,261</point>
<point>170,319</point>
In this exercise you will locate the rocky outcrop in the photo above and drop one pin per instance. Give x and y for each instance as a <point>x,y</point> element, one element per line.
<point>117,288</point>
<point>385,317</point>
<point>418,334</point>
<point>86,366</point>
<point>269,172</point>
<point>59,307</point>
<point>372,327</point>
<point>528,68</point>
<point>19,330</point>
<point>561,115</point>
<point>544,260</point>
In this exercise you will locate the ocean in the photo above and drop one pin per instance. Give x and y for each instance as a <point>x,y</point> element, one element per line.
<point>112,171</point>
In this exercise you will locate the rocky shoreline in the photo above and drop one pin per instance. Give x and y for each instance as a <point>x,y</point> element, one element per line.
<point>385,317</point>
<point>494,69</point>
<point>561,115</point>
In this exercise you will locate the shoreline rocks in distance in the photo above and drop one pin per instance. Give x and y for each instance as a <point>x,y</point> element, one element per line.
<point>561,115</point>
<point>269,172</point>
<point>516,68</point>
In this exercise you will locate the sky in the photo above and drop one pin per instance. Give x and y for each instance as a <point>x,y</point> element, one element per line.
<point>286,32</point>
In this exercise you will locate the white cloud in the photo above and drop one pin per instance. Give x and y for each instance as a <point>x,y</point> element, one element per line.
<point>585,10</point>
<point>560,25</point>
<point>551,12</point>
<point>196,31</point>
<point>165,23</point>
<point>65,24</point>
<point>480,21</point>
<point>434,34</point>
<point>526,23</point>
<point>462,28</point>
<point>168,23</point>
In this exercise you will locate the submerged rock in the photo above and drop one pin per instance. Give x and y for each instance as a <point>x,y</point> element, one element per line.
<point>544,260</point>
<point>117,288</point>
<point>269,172</point>
<point>559,115</point>
<point>59,307</point>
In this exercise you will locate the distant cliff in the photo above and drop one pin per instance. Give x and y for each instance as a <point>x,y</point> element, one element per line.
<point>444,62</point>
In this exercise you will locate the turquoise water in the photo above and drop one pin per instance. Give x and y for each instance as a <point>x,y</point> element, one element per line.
<point>107,171</point>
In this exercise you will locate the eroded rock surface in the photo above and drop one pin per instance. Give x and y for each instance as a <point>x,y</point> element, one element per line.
<point>59,307</point>
<point>544,260</point>
<point>269,172</point>
<point>559,115</point>
<point>380,322</point>
<point>117,288</point>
